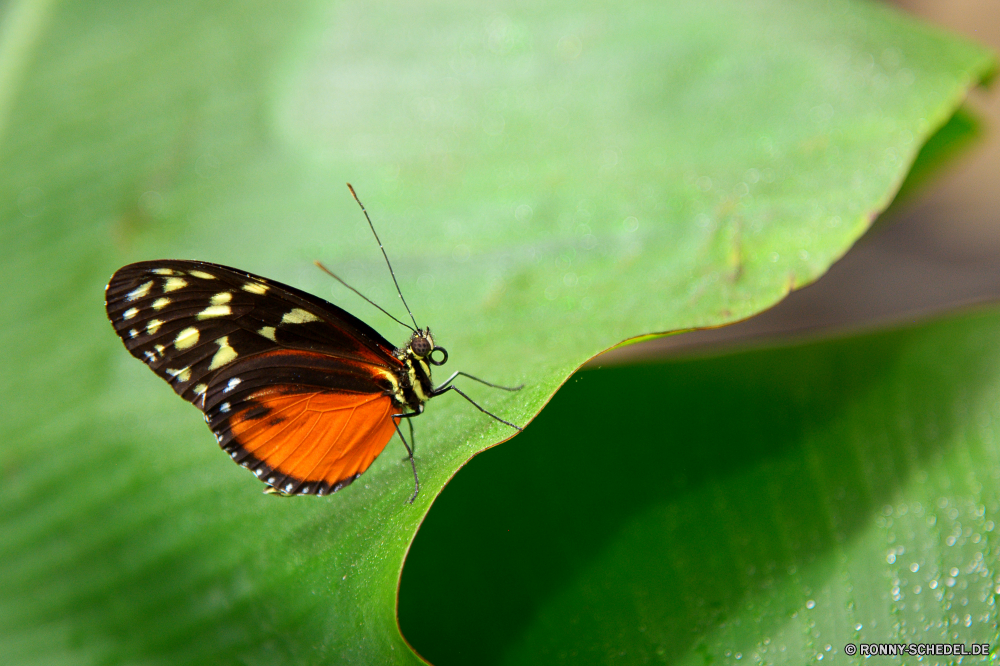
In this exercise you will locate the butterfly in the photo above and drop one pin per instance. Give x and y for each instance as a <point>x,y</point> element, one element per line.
<point>296,390</point>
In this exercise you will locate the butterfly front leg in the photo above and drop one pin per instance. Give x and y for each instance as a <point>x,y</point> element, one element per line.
<point>448,386</point>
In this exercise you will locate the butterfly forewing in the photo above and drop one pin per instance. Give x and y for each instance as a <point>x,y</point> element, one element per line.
<point>294,388</point>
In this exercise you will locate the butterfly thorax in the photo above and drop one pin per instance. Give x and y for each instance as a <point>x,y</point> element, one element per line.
<point>414,383</point>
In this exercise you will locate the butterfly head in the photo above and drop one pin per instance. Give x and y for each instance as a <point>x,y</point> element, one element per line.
<point>421,346</point>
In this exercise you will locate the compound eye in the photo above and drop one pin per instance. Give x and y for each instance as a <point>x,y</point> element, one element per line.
<point>442,360</point>
<point>420,346</point>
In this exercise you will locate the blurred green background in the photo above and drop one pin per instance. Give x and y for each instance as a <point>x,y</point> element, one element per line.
<point>550,180</point>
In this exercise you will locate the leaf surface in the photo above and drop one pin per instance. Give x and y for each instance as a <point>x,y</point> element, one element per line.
<point>768,506</point>
<point>550,180</point>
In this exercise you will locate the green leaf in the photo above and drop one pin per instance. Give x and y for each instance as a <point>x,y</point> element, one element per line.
<point>550,180</point>
<point>768,506</point>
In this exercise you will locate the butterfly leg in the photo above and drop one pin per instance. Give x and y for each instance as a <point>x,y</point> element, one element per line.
<point>413,440</point>
<point>444,388</point>
<point>396,418</point>
<point>441,389</point>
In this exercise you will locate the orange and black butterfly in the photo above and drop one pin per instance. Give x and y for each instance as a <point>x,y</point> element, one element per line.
<point>298,391</point>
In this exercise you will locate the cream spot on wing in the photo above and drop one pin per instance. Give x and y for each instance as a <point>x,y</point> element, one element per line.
<point>150,356</point>
<point>161,303</point>
<point>183,374</point>
<point>131,312</point>
<point>163,271</point>
<point>174,283</point>
<point>267,332</point>
<point>215,311</point>
<point>160,348</point>
<point>202,274</point>
<point>233,383</point>
<point>220,298</point>
<point>133,333</point>
<point>187,338</point>
<point>298,316</point>
<point>224,355</point>
<point>224,408</point>
<point>139,292</point>
<point>255,288</point>
<point>199,389</point>
<point>153,326</point>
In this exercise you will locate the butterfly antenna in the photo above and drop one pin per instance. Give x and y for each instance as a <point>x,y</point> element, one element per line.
<point>398,290</point>
<point>338,279</point>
